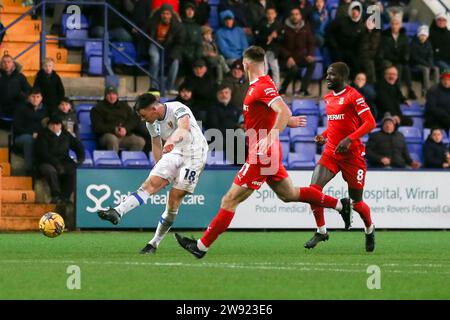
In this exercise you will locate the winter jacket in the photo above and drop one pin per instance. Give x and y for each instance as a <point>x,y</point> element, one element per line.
<point>105,117</point>
<point>440,40</point>
<point>437,107</point>
<point>54,149</point>
<point>231,42</point>
<point>369,45</point>
<point>397,52</point>
<point>14,90</point>
<point>223,117</point>
<point>175,37</point>
<point>203,90</point>
<point>192,49</point>
<point>239,89</point>
<point>297,42</point>
<point>52,88</point>
<point>202,12</point>
<point>318,25</point>
<point>434,154</point>
<point>393,146</point>
<point>421,53</point>
<point>388,99</point>
<point>263,30</point>
<point>28,120</point>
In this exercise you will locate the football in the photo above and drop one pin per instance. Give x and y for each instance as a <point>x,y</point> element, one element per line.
<point>51,224</point>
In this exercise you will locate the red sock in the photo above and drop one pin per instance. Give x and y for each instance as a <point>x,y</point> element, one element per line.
<point>219,224</point>
<point>317,210</point>
<point>316,197</point>
<point>364,211</point>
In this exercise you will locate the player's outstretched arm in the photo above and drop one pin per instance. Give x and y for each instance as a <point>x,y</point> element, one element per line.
<point>184,128</point>
<point>297,121</point>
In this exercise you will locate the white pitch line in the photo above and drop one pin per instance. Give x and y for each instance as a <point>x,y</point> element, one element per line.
<point>289,267</point>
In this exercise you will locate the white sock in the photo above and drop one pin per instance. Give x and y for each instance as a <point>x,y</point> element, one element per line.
<point>370,229</point>
<point>165,223</point>
<point>339,205</point>
<point>201,246</point>
<point>132,201</point>
<point>322,229</point>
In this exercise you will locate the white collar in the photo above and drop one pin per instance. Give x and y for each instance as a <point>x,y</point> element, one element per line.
<point>339,93</point>
<point>254,81</point>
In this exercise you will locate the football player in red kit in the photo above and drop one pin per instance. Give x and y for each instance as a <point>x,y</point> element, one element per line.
<point>265,115</point>
<point>349,118</point>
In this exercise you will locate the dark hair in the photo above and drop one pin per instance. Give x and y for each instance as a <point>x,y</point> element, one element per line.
<point>255,53</point>
<point>434,129</point>
<point>223,87</point>
<point>36,90</point>
<point>185,86</point>
<point>342,69</point>
<point>144,101</point>
<point>271,8</point>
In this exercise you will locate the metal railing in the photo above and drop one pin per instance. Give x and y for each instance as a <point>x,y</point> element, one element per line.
<point>43,6</point>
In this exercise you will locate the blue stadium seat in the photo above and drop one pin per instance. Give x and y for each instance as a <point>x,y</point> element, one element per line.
<point>75,38</point>
<point>214,20</point>
<point>106,158</point>
<point>415,148</point>
<point>285,132</point>
<point>134,159</point>
<point>84,117</point>
<point>322,108</point>
<point>301,160</point>
<point>285,147</point>
<point>127,48</point>
<point>418,122</point>
<point>304,107</point>
<point>305,148</point>
<point>83,107</point>
<point>87,160</point>
<point>415,110</point>
<point>324,119</point>
<point>89,144</point>
<point>416,157</point>
<point>93,57</point>
<point>312,121</point>
<point>320,130</point>
<point>411,28</point>
<point>85,131</point>
<point>302,134</point>
<point>411,134</point>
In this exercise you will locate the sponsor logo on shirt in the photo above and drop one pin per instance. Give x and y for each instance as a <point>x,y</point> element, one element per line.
<point>270,92</point>
<point>336,116</point>
<point>257,183</point>
<point>180,111</point>
<point>245,108</point>
<point>341,100</point>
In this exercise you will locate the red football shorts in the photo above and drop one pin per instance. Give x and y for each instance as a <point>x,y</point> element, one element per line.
<point>253,176</point>
<point>353,168</point>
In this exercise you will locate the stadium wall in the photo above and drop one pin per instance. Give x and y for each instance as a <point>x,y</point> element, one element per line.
<point>398,199</point>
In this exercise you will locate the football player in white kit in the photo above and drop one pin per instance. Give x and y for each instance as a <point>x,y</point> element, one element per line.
<point>180,152</point>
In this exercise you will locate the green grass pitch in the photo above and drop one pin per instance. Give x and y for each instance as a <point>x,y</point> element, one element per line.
<point>241,265</point>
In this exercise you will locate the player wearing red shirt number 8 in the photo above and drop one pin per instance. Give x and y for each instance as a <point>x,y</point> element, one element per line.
<point>265,115</point>
<point>349,118</point>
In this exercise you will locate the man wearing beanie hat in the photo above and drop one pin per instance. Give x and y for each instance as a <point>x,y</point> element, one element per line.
<point>422,58</point>
<point>53,161</point>
<point>440,40</point>
<point>437,108</point>
<point>114,122</point>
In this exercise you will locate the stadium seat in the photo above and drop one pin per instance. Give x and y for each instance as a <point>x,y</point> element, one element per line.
<point>151,158</point>
<point>308,148</point>
<point>285,132</point>
<point>134,159</point>
<point>411,28</point>
<point>415,110</point>
<point>411,134</point>
<point>215,157</point>
<point>322,108</point>
<point>416,157</point>
<point>89,144</point>
<point>285,146</point>
<point>320,130</point>
<point>87,158</point>
<point>83,107</point>
<point>301,160</point>
<point>85,131</point>
<point>302,134</point>
<point>312,121</point>
<point>415,148</point>
<point>106,158</point>
<point>304,107</point>
<point>214,20</point>
<point>127,48</point>
<point>84,117</point>
<point>76,38</point>
<point>418,122</point>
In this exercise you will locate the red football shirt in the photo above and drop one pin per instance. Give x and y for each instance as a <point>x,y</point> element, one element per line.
<point>344,111</point>
<point>259,117</point>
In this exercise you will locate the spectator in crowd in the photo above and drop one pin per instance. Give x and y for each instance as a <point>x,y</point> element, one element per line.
<point>238,83</point>
<point>26,126</point>
<point>343,37</point>
<point>68,116</point>
<point>165,28</point>
<point>211,54</point>
<point>231,39</point>
<point>53,161</point>
<point>203,10</point>
<point>368,49</point>
<point>403,8</point>
<point>394,50</point>
<point>389,97</point>
<point>14,87</point>
<point>422,57</point>
<point>440,40</point>
<point>286,6</point>
<point>158,4</point>
<point>114,122</point>
<point>239,10</point>
<point>50,84</point>
<point>387,148</point>
<point>267,34</point>
<point>297,51</point>
<point>192,49</point>
<point>437,107</point>
<point>435,151</point>
<point>185,95</point>
<point>116,28</point>
<point>203,89</point>
<point>320,19</point>
<point>223,115</point>
<point>256,10</point>
<point>367,90</point>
